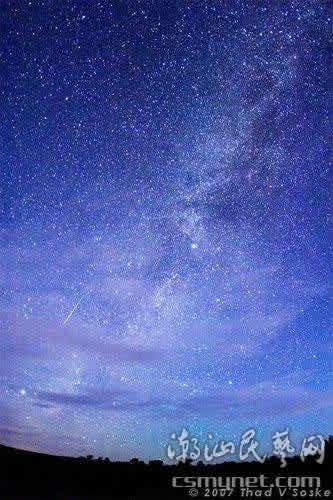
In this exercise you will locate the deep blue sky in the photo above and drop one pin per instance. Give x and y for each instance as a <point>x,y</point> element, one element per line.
<point>166,175</point>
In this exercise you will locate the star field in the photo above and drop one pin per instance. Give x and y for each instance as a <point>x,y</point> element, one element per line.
<point>165,236</point>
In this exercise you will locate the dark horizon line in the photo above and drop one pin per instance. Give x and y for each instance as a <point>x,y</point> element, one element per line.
<point>137,461</point>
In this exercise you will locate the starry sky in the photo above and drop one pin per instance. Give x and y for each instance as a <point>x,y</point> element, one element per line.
<point>164,246</point>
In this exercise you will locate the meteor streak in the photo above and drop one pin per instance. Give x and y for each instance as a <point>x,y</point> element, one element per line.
<point>72,311</point>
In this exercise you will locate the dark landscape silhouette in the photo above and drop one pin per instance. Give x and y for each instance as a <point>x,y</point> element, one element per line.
<point>32,475</point>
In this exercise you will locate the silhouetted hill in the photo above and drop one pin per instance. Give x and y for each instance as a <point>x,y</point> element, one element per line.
<point>31,475</point>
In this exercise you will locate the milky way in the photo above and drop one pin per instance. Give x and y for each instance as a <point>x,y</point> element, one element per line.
<point>164,246</point>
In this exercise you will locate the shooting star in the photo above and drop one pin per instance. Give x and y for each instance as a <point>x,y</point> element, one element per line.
<point>72,311</point>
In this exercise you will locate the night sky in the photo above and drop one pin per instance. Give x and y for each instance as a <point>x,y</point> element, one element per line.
<point>164,244</point>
